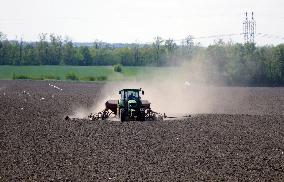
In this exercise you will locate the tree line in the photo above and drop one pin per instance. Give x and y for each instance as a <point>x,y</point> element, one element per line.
<point>236,63</point>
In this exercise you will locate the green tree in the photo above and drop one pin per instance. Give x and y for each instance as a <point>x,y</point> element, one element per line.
<point>29,56</point>
<point>42,50</point>
<point>279,57</point>
<point>54,52</point>
<point>87,57</point>
<point>171,48</point>
<point>69,53</point>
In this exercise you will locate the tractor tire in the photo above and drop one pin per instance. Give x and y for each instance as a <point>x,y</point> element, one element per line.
<point>142,116</point>
<point>122,115</point>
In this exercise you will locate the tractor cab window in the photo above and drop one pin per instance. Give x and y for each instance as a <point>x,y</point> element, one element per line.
<point>130,95</point>
<point>122,94</point>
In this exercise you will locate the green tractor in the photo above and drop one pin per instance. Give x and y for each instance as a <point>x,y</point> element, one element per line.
<point>130,107</point>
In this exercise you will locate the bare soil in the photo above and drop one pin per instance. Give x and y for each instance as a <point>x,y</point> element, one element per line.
<point>242,140</point>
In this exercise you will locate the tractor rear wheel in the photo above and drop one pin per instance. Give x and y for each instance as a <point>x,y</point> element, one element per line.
<point>142,116</point>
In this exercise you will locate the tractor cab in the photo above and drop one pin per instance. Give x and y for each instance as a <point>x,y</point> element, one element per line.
<point>130,94</point>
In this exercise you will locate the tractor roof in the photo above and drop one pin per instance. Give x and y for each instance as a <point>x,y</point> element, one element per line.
<point>130,89</point>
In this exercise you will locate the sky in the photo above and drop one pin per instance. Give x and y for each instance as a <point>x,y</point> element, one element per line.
<point>128,21</point>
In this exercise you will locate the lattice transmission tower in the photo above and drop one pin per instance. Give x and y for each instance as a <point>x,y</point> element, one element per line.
<point>249,28</point>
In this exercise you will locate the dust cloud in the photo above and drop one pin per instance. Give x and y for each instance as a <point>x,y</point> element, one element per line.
<point>188,89</point>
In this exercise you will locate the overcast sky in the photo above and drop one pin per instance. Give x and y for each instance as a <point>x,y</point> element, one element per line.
<point>140,20</point>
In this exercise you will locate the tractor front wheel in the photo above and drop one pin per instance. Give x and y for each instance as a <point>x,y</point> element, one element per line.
<point>122,115</point>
